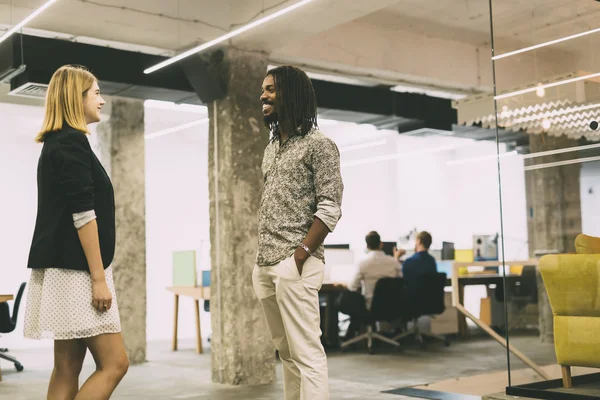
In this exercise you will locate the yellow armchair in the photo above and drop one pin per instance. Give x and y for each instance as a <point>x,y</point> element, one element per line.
<point>573,285</point>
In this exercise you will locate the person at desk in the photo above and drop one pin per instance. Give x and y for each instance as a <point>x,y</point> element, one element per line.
<point>419,264</point>
<point>375,266</point>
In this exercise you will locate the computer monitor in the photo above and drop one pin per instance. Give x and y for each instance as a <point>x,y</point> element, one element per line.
<point>388,248</point>
<point>447,251</point>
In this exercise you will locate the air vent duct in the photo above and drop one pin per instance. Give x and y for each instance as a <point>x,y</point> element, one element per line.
<point>30,90</point>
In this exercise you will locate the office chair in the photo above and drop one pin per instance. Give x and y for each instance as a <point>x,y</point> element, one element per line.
<point>427,299</point>
<point>207,309</point>
<point>8,324</point>
<point>522,290</point>
<point>386,305</point>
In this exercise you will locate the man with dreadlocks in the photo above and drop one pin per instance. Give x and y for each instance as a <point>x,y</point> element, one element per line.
<point>300,205</point>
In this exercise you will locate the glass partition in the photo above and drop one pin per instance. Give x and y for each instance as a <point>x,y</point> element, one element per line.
<point>546,79</point>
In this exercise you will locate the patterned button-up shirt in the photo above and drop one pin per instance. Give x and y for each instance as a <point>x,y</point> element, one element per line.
<point>302,180</point>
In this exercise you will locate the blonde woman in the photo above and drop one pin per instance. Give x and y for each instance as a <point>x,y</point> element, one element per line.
<point>71,296</point>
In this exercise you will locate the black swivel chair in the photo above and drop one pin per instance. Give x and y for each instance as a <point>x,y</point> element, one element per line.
<point>386,305</point>
<point>8,324</point>
<point>426,298</point>
<point>522,290</point>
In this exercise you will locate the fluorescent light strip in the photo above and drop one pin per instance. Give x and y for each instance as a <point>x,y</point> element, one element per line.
<point>553,84</point>
<point>169,105</point>
<point>551,42</point>
<point>561,151</point>
<point>327,122</point>
<point>176,128</point>
<point>560,163</point>
<point>398,155</point>
<point>482,158</point>
<point>526,156</point>
<point>26,20</point>
<point>362,146</point>
<point>226,36</point>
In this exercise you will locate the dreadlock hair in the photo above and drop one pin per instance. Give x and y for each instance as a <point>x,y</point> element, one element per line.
<point>296,103</point>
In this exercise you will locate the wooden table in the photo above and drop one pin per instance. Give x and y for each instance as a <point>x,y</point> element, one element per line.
<point>472,280</point>
<point>457,302</point>
<point>196,293</point>
<point>3,299</point>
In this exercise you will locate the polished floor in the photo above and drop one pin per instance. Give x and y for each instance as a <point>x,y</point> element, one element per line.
<point>353,375</point>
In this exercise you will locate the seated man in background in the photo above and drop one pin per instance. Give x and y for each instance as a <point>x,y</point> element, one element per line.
<point>419,264</point>
<point>374,266</point>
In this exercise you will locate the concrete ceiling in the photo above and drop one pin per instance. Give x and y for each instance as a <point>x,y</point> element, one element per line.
<point>441,45</point>
<point>181,24</point>
<point>446,43</point>
<point>515,21</point>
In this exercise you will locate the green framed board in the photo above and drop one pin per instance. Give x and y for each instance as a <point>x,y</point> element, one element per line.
<point>184,268</point>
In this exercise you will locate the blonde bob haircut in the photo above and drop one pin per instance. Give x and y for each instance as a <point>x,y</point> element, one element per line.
<point>64,100</point>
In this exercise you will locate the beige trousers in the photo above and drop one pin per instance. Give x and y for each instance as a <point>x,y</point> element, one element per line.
<point>291,304</point>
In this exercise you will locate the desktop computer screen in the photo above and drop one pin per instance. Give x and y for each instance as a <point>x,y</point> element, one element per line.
<point>447,251</point>
<point>388,248</point>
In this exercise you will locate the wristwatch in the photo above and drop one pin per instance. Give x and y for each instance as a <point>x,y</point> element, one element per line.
<point>305,247</point>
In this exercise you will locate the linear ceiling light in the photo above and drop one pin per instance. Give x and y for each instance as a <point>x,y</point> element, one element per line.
<point>229,35</point>
<point>560,163</point>
<point>551,42</point>
<point>176,128</point>
<point>533,89</point>
<point>482,158</point>
<point>362,146</point>
<point>397,156</point>
<point>171,106</point>
<point>28,19</point>
<point>561,151</point>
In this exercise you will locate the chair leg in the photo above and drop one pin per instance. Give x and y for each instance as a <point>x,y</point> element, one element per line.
<point>566,376</point>
<point>385,339</point>
<point>413,332</point>
<point>445,340</point>
<point>355,340</point>
<point>13,360</point>
<point>8,358</point>
<point>369,336</point>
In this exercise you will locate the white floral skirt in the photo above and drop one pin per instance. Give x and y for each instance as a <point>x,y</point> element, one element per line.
<point>59,306</point>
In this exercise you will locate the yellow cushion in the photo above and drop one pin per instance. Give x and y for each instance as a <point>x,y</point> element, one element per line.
<point>585,244</point>
<point>577,341</point>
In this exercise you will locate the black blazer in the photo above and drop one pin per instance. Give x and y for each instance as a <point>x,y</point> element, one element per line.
<point>70,180</point>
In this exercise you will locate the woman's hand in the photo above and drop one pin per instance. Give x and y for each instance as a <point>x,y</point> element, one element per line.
<point>101,296</point>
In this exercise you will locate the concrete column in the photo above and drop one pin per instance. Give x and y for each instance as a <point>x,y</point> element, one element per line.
<point>242,352</point>
<point>553,197</point>
<point>553,211</point>
<point>121,148</point>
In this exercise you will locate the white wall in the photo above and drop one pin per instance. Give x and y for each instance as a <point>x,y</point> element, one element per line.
<point>418,189</point>
<point>18,202</point>
<point>177,216</point>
